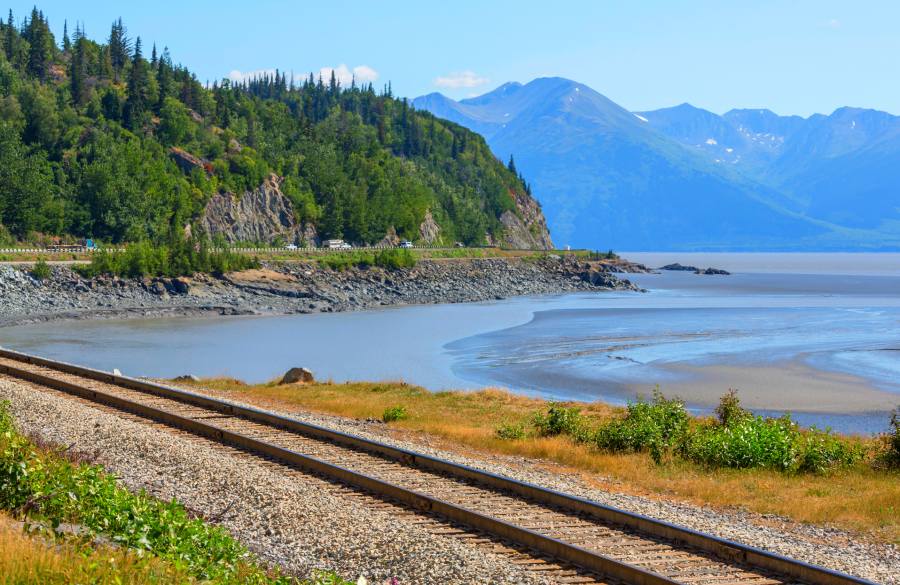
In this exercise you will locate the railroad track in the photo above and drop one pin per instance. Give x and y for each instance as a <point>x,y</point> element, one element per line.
<point>583,541</point>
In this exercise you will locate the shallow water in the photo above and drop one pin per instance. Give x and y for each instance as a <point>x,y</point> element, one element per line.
<point>843,328</point>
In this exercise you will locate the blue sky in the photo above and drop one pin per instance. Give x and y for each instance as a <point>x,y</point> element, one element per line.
<point>794,57</point>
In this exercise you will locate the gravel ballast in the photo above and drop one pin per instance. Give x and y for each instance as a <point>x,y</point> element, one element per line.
<point>294,521</point>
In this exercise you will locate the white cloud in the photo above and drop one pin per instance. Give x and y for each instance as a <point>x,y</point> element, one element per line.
<point>461,79</point>
<point>344,75</point>
<point>237,75</point>
<point>833,23</point>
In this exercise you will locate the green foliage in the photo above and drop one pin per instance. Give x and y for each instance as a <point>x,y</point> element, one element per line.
<point>822,452</point>
<point>729,410</point>
<point>41,270</point>
<point>341,261</point>
<point>394,413</point>
<point>184,258</point>
<point>394,258</point>
<point>750,442</point>
<point>558,420</point>
<point>648,426</point>
<point>511,431</point>
<point>89,153</point>
<point>47,490</point>
<point>892,453</point>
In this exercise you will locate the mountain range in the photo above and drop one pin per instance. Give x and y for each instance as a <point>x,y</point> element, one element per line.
<point>684,178</point>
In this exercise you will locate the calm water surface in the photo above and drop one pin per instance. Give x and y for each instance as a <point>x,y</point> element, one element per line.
<point>831,313</point>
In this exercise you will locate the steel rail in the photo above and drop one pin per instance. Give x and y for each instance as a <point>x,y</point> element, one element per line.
<point>723,549</point>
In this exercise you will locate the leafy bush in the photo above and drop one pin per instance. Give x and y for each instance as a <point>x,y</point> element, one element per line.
<point>729,410</point>
<point>892,454</point>
<point>395,258</point>
<point>511,431</point>
<point>41,270</point>
<point>655,426</point>
<point>341,261</point>
<point>821,452</point>
<point>393,413</point>
<point>749,442</point>
<point>183,258</point>
<point>559,420</point>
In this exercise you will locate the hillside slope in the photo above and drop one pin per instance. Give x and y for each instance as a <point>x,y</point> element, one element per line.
<point>96,140</point>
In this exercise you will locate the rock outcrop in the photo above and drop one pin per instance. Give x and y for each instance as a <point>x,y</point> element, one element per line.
<point>526,228</point>
<point>263,215</point>
<point>430,231</point>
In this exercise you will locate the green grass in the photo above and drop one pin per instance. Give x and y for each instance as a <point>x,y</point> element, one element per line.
<point>45,489</point>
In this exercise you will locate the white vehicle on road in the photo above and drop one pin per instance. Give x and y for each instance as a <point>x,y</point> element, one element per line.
<point>406,244</point>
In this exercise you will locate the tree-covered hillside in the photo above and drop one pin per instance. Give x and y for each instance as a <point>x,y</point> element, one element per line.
<point>94,137</point>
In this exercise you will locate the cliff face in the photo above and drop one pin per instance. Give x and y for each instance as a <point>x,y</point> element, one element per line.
<point>526,229</point>
<point>266,214</point>
<point>262,215</point>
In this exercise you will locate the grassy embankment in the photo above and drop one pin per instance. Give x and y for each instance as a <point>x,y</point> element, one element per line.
<point>806,476</point>
<point>63,520</point>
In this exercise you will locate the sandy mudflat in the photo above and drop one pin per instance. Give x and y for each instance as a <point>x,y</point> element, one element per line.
<point>790,385</point>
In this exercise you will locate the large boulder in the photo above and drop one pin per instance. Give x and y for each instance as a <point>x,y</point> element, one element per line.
<point>297,375</point>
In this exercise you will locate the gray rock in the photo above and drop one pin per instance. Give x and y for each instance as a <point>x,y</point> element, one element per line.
<point>295,375</point>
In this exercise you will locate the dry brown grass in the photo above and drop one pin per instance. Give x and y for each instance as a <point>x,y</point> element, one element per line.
<point>860,499</point>
<point>29,560</point>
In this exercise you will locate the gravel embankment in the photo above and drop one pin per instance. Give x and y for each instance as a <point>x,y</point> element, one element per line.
<point>822,545</point>
<point>302,287</point>
<point>294,521</point>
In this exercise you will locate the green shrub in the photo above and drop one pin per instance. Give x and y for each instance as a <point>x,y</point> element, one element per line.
<point>750,442</point>
<point>41,270</point>
<point>654,426</point>
<point>183,258</point>
<point>729,410</point>
<point>511,431</point>
<point>341,261</point>
<point>892,454</point>
<point>821,452</point>
<point>393,413</point>
<point>559,420</point>
<point>394,258</point>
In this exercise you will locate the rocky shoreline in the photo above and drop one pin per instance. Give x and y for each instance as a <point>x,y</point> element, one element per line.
<point>291,288</point>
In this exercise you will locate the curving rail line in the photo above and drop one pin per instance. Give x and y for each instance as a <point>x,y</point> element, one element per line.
<point>599,539</point>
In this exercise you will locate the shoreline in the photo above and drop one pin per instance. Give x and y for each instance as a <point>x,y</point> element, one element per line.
<point>279,289</point>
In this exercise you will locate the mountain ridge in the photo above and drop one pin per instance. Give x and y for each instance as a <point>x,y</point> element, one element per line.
<point>604,172</point>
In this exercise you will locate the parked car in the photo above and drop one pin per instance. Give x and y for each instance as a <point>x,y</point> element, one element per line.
<point>406,244</point>
<point>290,247</point>
<point>345,246</point>
<point>460,245</point>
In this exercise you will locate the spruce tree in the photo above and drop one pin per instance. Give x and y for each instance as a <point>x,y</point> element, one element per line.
<point>118,47</point>
<point>67,44</point>
<point>40,39</point>
<point>136,104</point>
<point>10,40</point>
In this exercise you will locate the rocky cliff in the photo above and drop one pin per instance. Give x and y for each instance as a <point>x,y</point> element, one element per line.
<point>527,227</point>
<point>264,215</point>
